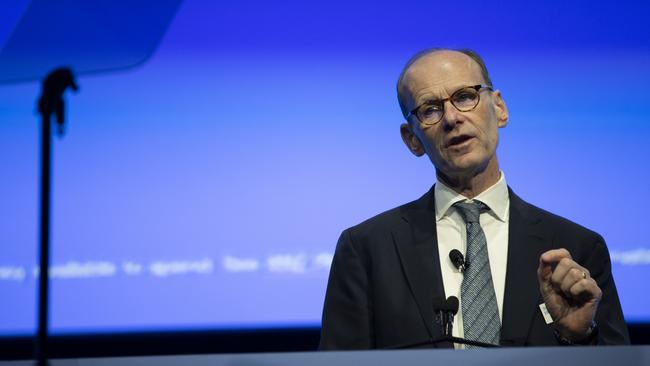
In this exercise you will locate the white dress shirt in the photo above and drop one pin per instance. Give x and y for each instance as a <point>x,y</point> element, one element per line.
<point>453,235</point>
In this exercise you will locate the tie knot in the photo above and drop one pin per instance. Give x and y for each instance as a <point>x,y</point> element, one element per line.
<point>470,211</point>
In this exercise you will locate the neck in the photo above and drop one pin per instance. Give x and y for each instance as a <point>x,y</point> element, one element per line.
<point>471,185</point>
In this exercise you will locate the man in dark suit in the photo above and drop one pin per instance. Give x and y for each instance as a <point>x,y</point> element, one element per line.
<point>532,278</point>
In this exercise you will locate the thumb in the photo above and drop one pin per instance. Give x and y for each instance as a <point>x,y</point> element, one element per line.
<point>544,272</point>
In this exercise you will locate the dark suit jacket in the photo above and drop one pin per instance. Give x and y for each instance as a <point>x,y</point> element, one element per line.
<point>386,273</point>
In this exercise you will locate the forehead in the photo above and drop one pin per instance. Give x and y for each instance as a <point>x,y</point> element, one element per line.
<point>439,74</point>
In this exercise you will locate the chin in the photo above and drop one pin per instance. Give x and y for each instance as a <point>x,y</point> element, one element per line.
<point>466,161</point>
<point>467,164</point>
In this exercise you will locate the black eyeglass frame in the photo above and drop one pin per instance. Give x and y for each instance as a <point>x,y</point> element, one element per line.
<point>441,102</point>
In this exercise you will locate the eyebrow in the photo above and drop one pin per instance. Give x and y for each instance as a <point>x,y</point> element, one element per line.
<point>432,100</point>
<point>427,98</point>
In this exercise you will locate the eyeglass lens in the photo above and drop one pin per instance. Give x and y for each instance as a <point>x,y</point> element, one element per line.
<point>464,100</point>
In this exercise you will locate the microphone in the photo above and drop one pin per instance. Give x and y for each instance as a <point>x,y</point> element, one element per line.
<point>459,262</point>
<point>445,311</point>
<point>452,305</point>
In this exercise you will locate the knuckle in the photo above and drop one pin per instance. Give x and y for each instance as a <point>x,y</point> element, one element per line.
<point>576,290</point>
<point>565,262</point>
<point>566,286</point>
<point>576,272</point>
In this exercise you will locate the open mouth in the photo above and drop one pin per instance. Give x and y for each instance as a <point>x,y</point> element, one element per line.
<point>458,140</point>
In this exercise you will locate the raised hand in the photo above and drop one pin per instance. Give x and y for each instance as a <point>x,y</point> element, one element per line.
<point>570,294</point>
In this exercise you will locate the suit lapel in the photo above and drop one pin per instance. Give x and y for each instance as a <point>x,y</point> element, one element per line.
<point>526,242</point>
<point>417,246</point>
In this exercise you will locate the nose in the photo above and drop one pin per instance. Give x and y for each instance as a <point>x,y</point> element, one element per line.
<point>451,116</point>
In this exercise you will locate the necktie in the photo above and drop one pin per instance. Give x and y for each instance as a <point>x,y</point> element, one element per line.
<point>479,303</point>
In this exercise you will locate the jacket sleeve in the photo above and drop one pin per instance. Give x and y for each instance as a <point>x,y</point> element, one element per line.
<point>612,329</point>
<point>347,312</point>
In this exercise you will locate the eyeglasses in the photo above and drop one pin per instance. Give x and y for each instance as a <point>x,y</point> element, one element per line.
<point>431,112</point>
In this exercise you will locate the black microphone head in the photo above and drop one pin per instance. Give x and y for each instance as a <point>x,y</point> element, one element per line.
<point>452,304</point>
<point>448,305</point>
<point>457,259</point>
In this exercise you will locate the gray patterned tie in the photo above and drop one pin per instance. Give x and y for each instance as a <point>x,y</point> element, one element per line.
<point>480,311</point>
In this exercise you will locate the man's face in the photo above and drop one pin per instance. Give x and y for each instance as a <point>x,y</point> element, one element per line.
<point>462,143</point>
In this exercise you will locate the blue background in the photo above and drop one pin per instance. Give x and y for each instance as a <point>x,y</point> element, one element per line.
<point>261,129</point>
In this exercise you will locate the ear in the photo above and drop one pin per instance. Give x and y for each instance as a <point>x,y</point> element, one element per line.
<point>411,141</point>
<point>501,109</point>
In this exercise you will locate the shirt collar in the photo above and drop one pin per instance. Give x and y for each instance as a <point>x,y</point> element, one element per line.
<point>496,198</point>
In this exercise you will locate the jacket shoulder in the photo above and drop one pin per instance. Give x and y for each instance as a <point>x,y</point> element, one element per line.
<point>383,223</point>
<point>554,222</point>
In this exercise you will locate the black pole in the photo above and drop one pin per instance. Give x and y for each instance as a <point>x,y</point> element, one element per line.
<point>50,102</point>
<point>44,247</point>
